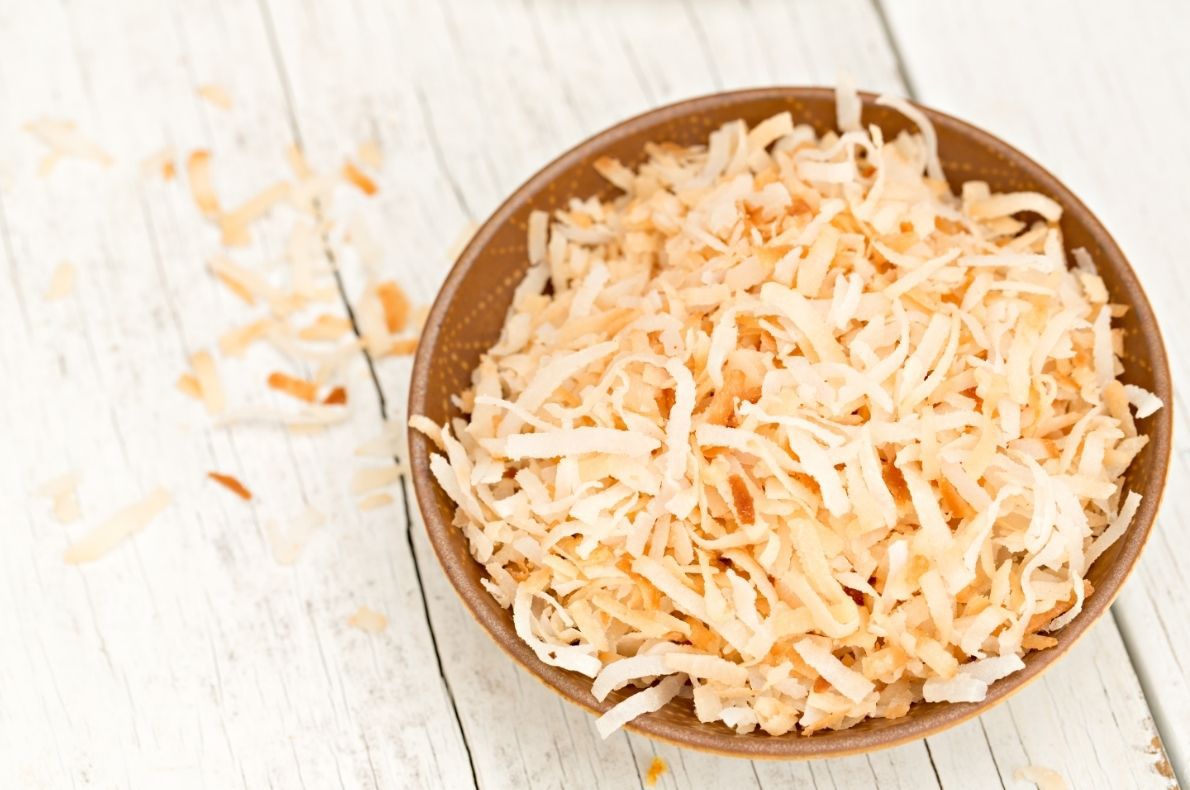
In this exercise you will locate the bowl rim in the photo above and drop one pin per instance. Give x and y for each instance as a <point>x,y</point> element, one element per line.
<point>843,742</point>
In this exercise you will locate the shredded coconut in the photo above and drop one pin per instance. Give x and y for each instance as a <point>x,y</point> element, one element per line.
<point>790,425</point>
<point>112,532</point>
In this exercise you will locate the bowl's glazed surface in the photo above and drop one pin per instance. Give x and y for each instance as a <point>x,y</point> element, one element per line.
<point>469,312</point>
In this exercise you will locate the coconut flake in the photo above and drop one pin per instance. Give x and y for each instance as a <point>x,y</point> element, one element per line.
<point>116,529</point>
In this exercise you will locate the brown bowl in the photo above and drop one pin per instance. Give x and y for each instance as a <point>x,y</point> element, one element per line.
<point>468,314</point>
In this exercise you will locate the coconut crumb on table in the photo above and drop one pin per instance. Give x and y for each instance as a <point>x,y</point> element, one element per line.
<point>64,141</point>
<point>102,539</point>
<point>216,95</point>
<point>62,492</point>
<point>366,619</point>
<point>657,768</point>
<point>1041,777</point>
<point>231,484</point>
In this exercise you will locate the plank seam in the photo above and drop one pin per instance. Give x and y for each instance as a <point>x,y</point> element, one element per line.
<point>902,68</point>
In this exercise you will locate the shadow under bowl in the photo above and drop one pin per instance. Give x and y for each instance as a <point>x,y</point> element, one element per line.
<point>469,313</point>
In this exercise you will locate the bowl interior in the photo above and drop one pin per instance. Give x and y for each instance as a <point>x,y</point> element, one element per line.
<point>469,312</point>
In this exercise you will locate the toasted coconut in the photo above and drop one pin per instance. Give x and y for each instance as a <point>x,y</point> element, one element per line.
<point>1043,778</point>
<point>63,493</point>
<point>231,484</point>
<point>64,140</point>
<point>357,178</point>
<point>216,95</point>
<point>234,224</point>
<point>188,384</point>
<point>293,386</point>
<point>209,384</point>
<point>336,397</point>
<point>402,347</point>
<point>198,173</point>
<point>326,328</point>
<point>657,769</point>
<point>234,342</point>
<point>395,305</point>
<point>369,153</point>
<point>789,423</point>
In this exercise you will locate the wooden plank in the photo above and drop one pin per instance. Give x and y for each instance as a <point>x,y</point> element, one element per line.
<point>1095,95</point>
<point>187,657</point>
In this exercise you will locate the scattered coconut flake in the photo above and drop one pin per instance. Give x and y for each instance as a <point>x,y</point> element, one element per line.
<point>374,501</point>
<point>325,327</point>
<point>235,342</point>
<point>234,224</point>
<point>231,484</point>
<point>366,619</point>
<point>336,397</point>
<point>159,165</point>
<point>395,305</point>
<point>1043,778</point>
<point>123,524</point>
<point>287,546</point>
<point>849,683</point>
<point>188,385</point>
<point>61,282</point>
<point>293,386</point>
<point>216,95</point>
<point>63,494</point>
<point>401,347</point>
<point>64,140</point>
<point>617,673</point>
<point>375,477</point>
<point>209,384</point>
<point>657,769</point>
<point>357,178</point>
<point>198,173</point>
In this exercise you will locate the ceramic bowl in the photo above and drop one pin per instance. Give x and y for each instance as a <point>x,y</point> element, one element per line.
<point>469,311</point>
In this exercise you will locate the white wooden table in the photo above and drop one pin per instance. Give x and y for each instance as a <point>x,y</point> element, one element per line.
<point>188,657</point>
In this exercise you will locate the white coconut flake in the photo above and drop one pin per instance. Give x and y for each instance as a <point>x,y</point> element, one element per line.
<point>651,699</point>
